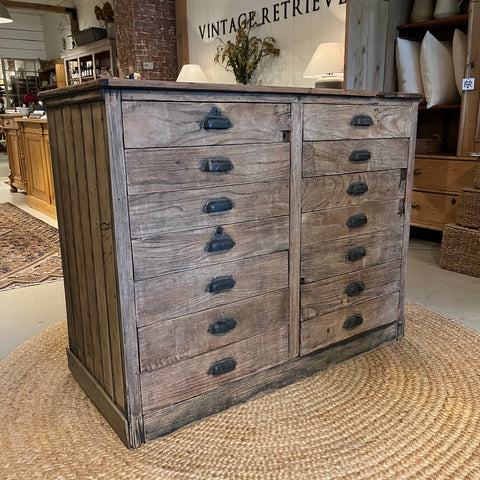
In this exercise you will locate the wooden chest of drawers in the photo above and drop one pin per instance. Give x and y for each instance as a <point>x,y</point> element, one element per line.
<point>222,242</point>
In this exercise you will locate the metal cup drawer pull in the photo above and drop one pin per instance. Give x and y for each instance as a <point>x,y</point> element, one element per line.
<point>221,284</point>
<point>354,288</point>
<point>356,253</point>
<point>223,325</point>
<point>353,322</point>
<point>356,221</point>
<point>215,205</point>
<point>220,242</point>
<point>222,366</point>
<point>357,188</point>
<point>358,156</point>
<point>217,164</point>
<point>362,121</point>
<point>215,120</point>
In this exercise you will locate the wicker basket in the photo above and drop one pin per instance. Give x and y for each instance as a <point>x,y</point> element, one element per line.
<point>468,213</point>
<point>428,145</point>
<point>476,178</point>
<point>460,251</point>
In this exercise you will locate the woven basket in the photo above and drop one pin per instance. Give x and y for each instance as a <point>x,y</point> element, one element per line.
<point>476,178</point>
<point>428,145</point>
<point>468,213</point>
<point>460,251</point>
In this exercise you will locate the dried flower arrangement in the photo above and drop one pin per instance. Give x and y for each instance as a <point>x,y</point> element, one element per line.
<point>243,56</point>
<point>104,14</point>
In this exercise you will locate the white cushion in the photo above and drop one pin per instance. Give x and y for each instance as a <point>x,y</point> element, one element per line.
<point>446,8</point>
<point>459,57</point>
<point>436,65</point>
<point>422,11</point>
<point>407,57</point>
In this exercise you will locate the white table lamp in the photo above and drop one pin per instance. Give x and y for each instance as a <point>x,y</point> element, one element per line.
<point>192,73</point>
<point>326,65</point>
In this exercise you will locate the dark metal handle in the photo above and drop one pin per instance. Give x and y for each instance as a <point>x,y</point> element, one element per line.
<point>353,322</point>
<point>216,205</point>
<point>223,325</point>
<point>362,121</point>
<point>357,188</point>
<point>356,221</point>
<point>215,120</point>
<point>354,288</point>
<point>222,366</point>
<point>356,253</point>
<point>221,284</point>
<point>360,156</point>
<point>220,241</point>
<point>219,164</point>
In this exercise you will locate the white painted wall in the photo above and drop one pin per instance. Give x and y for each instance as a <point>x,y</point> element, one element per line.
<point>86,14</point>
<point>296,36</point>
<point>23,38</point>
<point>57,34</point>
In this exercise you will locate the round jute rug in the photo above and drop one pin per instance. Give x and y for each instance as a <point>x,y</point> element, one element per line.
<point>405,411</point>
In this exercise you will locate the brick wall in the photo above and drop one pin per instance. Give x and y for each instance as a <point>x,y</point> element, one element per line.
<point>145,31</point>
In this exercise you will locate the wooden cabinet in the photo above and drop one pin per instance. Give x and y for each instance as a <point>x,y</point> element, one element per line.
<point>52,76</point>
<point>17,175</point>
<point>222,241</point>
<point>442,171</point>
<point>35,150</point>
<point>91,61</point>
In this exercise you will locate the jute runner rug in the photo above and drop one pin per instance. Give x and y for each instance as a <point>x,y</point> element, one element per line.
<point>29,249</point>
<point>405,411</point>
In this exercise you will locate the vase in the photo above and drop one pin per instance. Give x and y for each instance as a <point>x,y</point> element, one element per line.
<point>447,8</point>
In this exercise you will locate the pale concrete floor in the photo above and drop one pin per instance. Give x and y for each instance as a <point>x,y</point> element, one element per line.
<point>24,312</point>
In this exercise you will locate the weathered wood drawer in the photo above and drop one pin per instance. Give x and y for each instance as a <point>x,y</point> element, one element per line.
<point>324,330</point>
<point>167,124</point>
<point>327,295</point>
<point>171,341</point>
<point>184,293</point>
<point>433,210</point>
<point>179,169</point>
<point>349,156</point>
<point>199,374</point>
<point>339,122</point>
<point>449,176</point>
<point>156,213</point>
<point>332,191</point>
<point>326,225</point>
<point>322,260</point>
<point>178,251</point>
<point>9,123</point>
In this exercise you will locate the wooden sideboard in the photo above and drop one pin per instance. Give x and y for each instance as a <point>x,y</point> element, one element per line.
<point>28,151</point>
<point>17,176</point>
<point>220,242</point>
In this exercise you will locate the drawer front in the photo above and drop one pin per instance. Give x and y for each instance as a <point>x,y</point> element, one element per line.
<point>350,156</point>
<point>353,189</point>
<point>323,260</point>
<point>339,122</point>
<point>179,169</point>
<point>322,331</point>
<point>433,210</point>
<point>171,341</point>
<point>178,251</point>
<point>164,124</point>
<point>154,214</point>
<point>171,296</point>
<point>443,175</point>
<point>9,123</point>
<point>333,293</point>
<point>326,225</point>
<point>200,374</point>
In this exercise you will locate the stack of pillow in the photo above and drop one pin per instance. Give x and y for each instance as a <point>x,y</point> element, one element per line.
<point>432,68</point>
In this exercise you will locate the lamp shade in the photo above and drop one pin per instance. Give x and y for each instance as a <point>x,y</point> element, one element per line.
<point>192,73</point>
<point>327,59</point>
<point>5,16</point>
